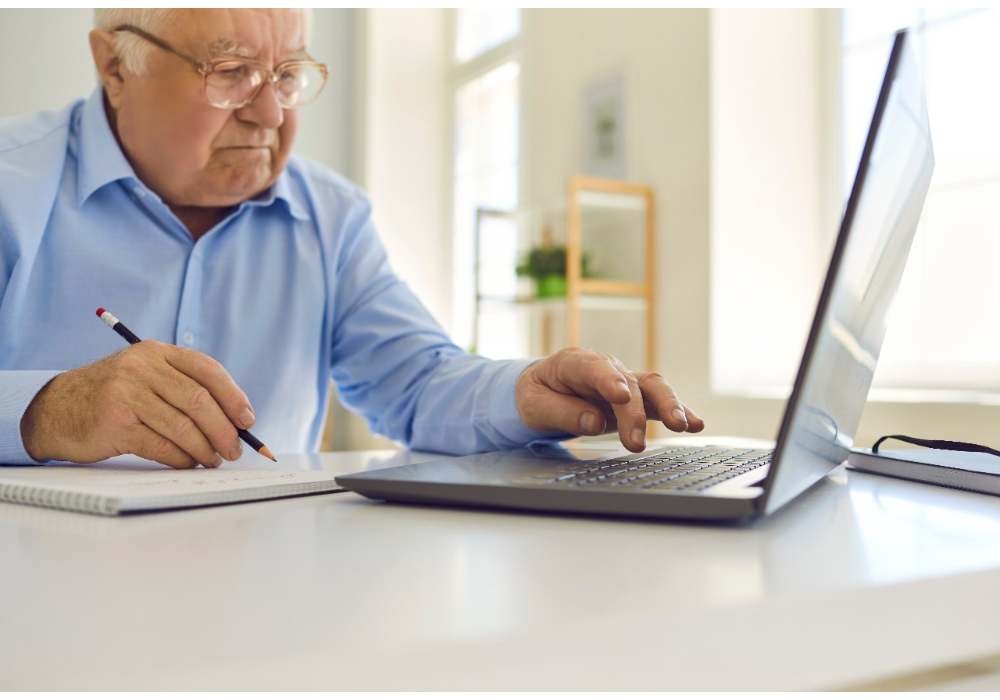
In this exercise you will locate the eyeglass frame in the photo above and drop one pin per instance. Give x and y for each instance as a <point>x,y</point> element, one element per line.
<point>206,68</point>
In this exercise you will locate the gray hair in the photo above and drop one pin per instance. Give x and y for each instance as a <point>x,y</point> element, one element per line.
<point>134,50</point>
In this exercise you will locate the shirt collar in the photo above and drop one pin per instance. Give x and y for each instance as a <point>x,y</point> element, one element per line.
<point>101,162</point>
<point>281,189</point>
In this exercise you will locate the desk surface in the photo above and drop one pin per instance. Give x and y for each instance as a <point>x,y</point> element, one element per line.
<point>861,578</point>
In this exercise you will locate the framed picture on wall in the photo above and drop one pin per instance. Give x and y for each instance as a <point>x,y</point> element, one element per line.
<point>604,129</point>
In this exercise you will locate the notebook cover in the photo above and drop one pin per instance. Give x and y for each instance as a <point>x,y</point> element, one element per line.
<point>969,471</point>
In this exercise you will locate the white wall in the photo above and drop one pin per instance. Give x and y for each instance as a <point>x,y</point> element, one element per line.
<point>406,147</point>
<point>55,42</point>
<point>327,127</point>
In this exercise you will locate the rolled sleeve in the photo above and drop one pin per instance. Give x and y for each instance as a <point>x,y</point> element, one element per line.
<point>503,411</point>
<point>19,387</point>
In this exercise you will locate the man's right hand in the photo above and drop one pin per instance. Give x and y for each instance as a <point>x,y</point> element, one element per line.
<point>158,401</point>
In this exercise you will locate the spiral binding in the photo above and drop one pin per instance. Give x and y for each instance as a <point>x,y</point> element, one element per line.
<point>62,500</point>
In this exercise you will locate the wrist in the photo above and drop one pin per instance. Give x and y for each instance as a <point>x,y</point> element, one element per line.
<point>33,423</point>
<point>522,391</point>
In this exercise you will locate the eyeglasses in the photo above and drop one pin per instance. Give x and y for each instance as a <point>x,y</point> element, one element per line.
<point>235,83</point>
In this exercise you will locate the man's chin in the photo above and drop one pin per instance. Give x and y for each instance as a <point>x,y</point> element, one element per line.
<point>236,191</point>
<point>241,174</point>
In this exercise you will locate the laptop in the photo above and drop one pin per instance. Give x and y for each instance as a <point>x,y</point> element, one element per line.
<point>726,482</point>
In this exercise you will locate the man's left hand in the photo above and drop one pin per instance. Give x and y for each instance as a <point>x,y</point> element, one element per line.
<point>589,393</point>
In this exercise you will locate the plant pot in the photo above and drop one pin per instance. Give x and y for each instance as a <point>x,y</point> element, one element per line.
<point>550,286</point>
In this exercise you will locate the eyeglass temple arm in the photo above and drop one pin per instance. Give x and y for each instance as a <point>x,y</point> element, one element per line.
<point>200,65</point>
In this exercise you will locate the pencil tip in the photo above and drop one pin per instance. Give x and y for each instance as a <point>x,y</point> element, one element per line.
<point>267,453</point>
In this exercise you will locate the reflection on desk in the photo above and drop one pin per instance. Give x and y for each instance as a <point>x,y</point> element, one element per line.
<point>861,578</point>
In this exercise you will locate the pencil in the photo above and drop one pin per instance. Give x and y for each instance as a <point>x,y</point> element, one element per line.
<point>120,328</point>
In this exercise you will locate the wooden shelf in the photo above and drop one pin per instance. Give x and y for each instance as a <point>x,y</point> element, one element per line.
<point>606,212</point>
<point>587,197</point>
<point>615,201</point>
<point>586,301</point>
<point>612,288</point>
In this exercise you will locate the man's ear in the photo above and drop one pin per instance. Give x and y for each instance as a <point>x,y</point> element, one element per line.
<point>109,66</point>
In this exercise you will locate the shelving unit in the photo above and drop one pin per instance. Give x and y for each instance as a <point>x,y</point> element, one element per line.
<point>614,222</point>
<point>598,211</point>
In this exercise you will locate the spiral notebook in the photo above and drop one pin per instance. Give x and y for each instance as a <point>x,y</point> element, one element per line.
<point>133,485</point>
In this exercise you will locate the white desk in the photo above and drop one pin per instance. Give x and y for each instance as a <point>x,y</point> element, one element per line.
<point>862,578</point>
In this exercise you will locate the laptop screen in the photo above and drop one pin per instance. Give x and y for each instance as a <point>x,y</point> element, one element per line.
<point>879,223</point>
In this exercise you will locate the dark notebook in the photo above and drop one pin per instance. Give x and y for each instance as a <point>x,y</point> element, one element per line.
<point>971,471</point>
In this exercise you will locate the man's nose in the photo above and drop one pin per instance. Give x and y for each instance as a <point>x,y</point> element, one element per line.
<point>264,110</point>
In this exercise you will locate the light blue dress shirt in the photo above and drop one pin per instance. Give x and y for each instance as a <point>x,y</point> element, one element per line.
<point>292,289</point>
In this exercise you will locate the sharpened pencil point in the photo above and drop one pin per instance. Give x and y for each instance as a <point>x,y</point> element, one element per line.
<point>267,453</point>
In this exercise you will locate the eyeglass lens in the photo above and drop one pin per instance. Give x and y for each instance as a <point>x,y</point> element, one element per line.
<point>232,83</point>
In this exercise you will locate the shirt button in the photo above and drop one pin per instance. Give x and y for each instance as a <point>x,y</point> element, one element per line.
<point>140,191</point>
<point>188,338</point>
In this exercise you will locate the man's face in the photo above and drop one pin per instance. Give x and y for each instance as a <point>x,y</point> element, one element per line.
<point>189,152</point>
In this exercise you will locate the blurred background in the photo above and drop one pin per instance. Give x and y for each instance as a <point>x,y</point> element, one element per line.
<point>684,169</point>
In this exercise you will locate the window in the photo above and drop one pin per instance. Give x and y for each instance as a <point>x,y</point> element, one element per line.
<point>479,29</point>
<point>783,163</point>
<point>942,338</point>
<point>486,103</point>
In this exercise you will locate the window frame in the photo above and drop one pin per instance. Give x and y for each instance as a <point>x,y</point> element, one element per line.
<point>459,75</point>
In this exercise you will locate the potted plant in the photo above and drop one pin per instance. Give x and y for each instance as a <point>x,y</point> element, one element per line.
<point>547,266</point>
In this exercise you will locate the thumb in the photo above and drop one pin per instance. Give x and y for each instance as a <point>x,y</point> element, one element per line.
<point>548,410</point>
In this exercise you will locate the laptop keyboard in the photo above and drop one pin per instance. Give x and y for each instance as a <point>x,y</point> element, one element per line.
<point>677,469</point>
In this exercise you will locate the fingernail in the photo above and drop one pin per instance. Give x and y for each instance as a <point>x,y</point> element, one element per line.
<point>588,422</point>
<point>639,437</point>
<point>217,462</point>
<point>247,418</point>
<point>679,415</point>
<point>623,386</point>
<point>234,454</point>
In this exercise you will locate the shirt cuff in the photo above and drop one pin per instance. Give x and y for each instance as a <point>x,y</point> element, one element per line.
<point>18,390</point>
<point>504,414</point>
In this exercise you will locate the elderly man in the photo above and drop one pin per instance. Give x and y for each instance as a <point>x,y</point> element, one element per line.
<point>170,197</point>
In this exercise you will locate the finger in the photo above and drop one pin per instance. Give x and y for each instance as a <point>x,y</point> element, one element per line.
<point>631,416</point>
<point>549,410</point>
<point>213,376</point>
<point>695,423</point>
<point>588,374</point>
<point>149,444</point>
<point>178,428</point>
<point>662,402</point>
<point>196,402</point>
